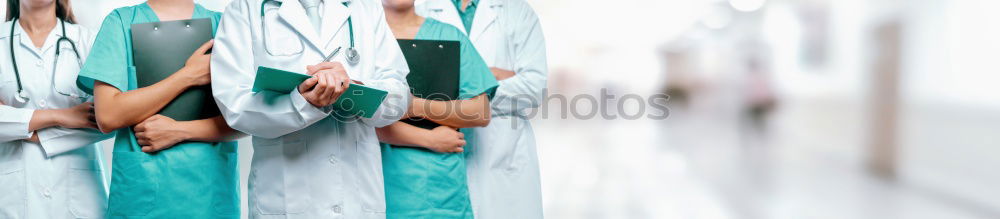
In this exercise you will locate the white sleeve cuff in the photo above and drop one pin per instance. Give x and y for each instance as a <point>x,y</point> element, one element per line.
<point>58,140</point>
<point>14,123</point>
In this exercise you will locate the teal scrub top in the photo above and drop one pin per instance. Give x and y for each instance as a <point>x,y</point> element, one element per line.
<point>421,183</point>
<point>468,14</point>
<point>189,180</point>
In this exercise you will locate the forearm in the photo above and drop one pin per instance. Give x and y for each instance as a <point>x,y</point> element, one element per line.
<point>116,109</point>
<point>403,134</point>
<point>20,124</point>
<point>41,119</point>
<point>473,112</point>
<point>212,129</point>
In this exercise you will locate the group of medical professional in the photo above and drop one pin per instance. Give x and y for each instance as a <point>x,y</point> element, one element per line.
<point>64,88</point>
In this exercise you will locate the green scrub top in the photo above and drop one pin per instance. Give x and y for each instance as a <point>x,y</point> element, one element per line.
<point>468,14</point>
<point>421,183</point>
<point>189,180</point>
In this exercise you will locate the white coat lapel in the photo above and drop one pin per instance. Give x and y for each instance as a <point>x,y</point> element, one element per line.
<point>293,14</point>
<point>442,10</point>
<point>486,15</point>
<point>334,21</point>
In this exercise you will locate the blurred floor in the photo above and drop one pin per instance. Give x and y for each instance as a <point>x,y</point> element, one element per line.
<point>704,163</point>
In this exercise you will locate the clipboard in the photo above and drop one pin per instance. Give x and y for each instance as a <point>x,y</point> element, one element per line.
<point>357,100</point>
<point>434,72</point>
<point>161,48</point>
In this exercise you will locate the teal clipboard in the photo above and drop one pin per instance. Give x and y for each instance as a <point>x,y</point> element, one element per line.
<point>358,100</point>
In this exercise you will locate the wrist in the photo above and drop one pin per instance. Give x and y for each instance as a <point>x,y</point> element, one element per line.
<point>184,130</point>
<point>184,77</point>
<point>417,108</point>
<point>425,139</point>
<point>49,118</point>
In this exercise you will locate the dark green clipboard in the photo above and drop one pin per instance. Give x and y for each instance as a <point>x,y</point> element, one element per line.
<point>161,48</point>
<point>434,72</point>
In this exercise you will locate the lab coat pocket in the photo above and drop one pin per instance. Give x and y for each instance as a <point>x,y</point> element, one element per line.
<point>12,188</point>
<point>279,38</point>
<point>521,142</point>
<point>134,184</point>
<point>370,157</point>
<point>268,190</point>
<point>86,193</point>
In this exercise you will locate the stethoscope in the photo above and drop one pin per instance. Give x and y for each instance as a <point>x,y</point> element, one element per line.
<point>21,94</point>
<point>351,54</point>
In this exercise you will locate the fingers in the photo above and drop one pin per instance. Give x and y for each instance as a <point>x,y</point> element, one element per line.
<point>459,147</point>
<point>141,138</point>
<point>335,84</point>
<point>204,48</point>
<point>141,127</point>
<point>91,122</point>
<point>329,65</point>
<point>308,84</point>
<point>313,69</point>
<point>322,85</point>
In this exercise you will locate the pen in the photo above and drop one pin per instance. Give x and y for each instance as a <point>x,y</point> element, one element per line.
<point>332,54</point>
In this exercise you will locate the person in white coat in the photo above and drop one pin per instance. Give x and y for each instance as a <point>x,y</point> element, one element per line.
<point>50,166</point>
<point>309,161</point>
<point>503,167</point>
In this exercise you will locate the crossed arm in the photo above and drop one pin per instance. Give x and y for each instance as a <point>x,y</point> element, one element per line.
<point>116,109</point>
<point>450,114</point>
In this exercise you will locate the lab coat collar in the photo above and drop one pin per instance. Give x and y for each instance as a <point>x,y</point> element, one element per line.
<point>334,18</point>
<point>486,15</point>
<point>295,15</point>
<point>50,40</point>
<point>442,10</point>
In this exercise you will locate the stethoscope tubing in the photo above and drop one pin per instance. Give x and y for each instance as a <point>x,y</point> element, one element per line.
<point>351,54</point>
<point>17,72</point>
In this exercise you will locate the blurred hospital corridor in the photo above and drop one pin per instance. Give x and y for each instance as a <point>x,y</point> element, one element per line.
<point>780,109</point>
<point>808,164</point>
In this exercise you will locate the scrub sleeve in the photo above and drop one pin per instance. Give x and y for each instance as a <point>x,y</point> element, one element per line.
<point>420,183</point>
<point>189,180</point>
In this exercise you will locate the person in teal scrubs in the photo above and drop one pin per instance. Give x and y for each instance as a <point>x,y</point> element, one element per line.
<point>425,177</point>
<point>161,168</point>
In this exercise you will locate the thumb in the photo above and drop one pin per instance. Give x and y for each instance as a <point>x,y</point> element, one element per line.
<point>204,47</point>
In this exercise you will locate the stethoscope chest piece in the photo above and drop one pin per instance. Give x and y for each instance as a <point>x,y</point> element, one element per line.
<point>22,96</point>
<point>352,56</point>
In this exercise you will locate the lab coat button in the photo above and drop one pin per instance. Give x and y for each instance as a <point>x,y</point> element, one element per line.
<point>333,160</point>
<point>47,193</point>
<point>39,63</point>
<point>336,209</point>
<point>41,103</point>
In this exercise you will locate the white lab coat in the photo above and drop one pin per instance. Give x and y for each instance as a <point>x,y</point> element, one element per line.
<point>503,167</point>
<point>61,177</point>
<point>306,163</point>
